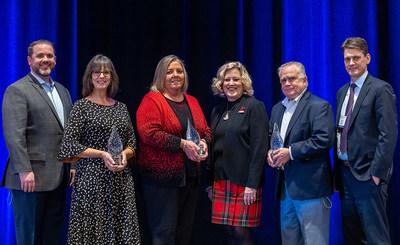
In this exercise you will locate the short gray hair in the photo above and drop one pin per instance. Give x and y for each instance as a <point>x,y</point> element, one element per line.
<point>299,65</point>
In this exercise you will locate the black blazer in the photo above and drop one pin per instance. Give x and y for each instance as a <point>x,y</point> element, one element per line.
<point>245,143</point>
<point>310,134</point>
<point>373,131</point>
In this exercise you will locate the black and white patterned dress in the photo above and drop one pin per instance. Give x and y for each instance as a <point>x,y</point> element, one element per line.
<point>103,205</point>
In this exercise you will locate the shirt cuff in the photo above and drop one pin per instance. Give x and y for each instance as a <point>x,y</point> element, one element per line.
<point>290,151</point>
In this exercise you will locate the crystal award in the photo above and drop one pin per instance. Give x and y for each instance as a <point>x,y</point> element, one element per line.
<point>276,139</point>
<point>115,146</point>
<point>193,135</point>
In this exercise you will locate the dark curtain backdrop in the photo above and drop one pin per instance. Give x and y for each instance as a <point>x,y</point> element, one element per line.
<point>262,34</point>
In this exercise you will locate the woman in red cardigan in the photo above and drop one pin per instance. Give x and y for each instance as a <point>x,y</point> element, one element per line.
<point>170,164</point>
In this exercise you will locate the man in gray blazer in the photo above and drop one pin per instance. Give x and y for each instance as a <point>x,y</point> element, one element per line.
<point>35,110</point>
<point>366,119</point>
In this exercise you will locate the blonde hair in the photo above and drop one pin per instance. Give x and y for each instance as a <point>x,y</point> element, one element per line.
<point>161,72</point>
<point>217,84</point>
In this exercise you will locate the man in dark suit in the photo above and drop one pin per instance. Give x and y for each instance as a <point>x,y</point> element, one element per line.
<point>303,175</point>
<point>35,110</point>
<point>366,118</point>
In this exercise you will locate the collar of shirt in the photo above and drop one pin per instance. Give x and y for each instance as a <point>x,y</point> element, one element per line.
<point>359,82</point>
<point>286,103</point>
<point>41,81</point>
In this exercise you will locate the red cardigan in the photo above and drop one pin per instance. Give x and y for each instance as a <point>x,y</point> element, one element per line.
<point>159,129</point>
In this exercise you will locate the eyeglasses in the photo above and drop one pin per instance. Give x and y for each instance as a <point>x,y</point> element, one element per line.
<point>98,73</point>
<point>290,80</point>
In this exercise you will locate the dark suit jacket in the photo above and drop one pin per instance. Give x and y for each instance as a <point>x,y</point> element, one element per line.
<point>245,142</point>
<point>33,132</point>
<point>310,135</point>
<point>372,135</point>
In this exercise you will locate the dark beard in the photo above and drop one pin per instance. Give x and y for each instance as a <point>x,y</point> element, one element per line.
<point>40,73</point>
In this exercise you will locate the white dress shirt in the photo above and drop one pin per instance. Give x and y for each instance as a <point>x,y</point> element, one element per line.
<point>287,115</point>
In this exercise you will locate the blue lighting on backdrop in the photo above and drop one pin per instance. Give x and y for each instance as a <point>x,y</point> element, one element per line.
<point>23,22</point>
<point>309,31</point>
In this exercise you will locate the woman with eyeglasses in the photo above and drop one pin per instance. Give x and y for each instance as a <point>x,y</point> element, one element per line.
<point>103,205</point>
<point>168,162</point>
<point>237,153</point>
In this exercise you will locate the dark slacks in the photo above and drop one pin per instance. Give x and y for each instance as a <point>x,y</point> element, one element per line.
<point>39,216</point>
<point>363,208</point>
<point>171,212</point>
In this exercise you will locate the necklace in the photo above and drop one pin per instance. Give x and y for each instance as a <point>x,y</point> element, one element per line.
<point>226,117</point>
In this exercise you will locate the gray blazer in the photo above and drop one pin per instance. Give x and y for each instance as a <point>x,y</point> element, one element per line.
<point>33,133</point>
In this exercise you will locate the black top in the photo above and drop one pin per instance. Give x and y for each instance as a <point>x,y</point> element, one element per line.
<point>240,143</point>
<point>183,113</point>
<point>218,136</point>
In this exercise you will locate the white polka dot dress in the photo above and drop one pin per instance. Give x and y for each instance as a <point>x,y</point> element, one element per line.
<point>103,205</point>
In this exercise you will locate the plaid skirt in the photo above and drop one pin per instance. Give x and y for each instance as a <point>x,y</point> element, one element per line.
<point>228,207</point>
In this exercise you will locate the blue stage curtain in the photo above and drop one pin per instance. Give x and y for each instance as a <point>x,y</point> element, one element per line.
<point>390,60</point>
<point>262,34</point>
<point>312,33</point>
<point>23,22</point>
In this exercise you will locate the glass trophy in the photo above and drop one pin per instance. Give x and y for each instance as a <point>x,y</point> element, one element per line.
<point>115,146</point>
<point>193,135</point>
<point>276,139</point>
